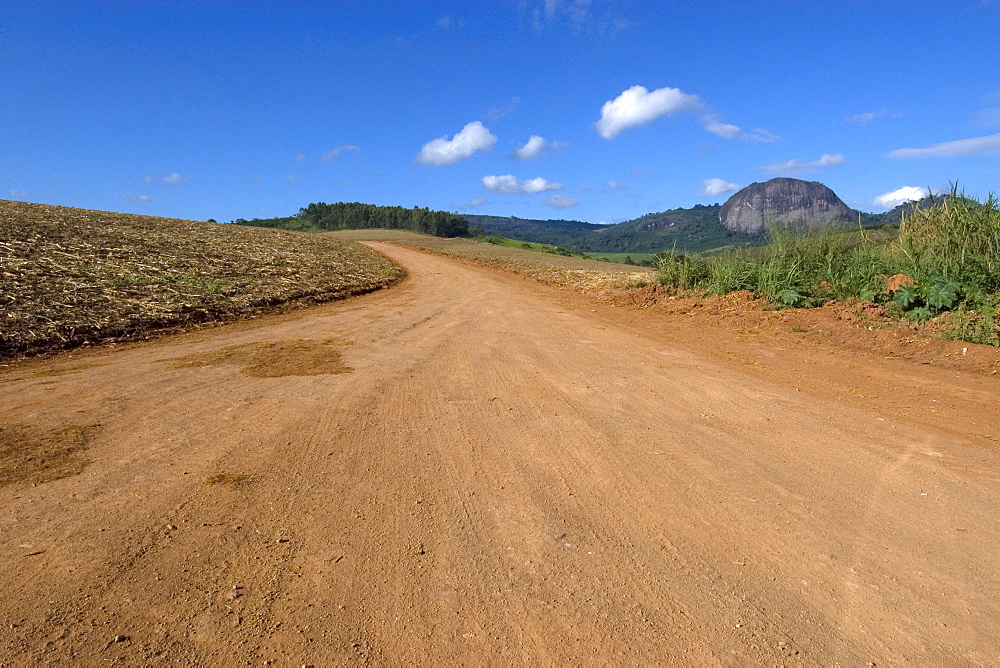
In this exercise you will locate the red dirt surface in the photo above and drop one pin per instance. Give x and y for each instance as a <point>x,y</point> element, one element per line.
<point>862,328</point>
<point>473,467</point>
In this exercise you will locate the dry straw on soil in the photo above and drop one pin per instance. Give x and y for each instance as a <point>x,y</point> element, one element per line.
<point>574,273</point>
<point>74,276</point>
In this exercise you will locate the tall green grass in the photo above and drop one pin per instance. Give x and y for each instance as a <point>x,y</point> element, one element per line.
<point>959,239</point>
<point>950,253</point>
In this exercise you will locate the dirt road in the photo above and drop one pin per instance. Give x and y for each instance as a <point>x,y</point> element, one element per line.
<point>471,467</point>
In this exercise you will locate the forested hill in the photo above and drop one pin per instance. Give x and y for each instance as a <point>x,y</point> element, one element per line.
<point>690,230</point>
<point>323,217</point>
<point>695,229</point>
<point>553,232</point>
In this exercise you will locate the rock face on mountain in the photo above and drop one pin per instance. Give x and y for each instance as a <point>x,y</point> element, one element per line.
<point>786,203</point>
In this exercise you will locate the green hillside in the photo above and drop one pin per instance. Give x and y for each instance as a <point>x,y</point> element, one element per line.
<point>552,232</point>
<point>691,230</point>
<point>694,230</point>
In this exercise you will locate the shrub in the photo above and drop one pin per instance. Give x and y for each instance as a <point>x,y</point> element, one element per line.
<point>958,239</point>
<point>978,326</point>
<point>684,272</point>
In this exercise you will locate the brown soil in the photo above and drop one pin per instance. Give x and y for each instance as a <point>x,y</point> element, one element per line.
<point>477,468</point>
<point>864,328</point>
<point>860,327</point>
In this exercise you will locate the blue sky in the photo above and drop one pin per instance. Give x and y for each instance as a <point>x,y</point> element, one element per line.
<point>599,110</point>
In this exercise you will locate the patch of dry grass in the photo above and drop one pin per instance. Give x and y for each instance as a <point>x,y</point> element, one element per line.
<point>74,276</point>
<point>574,273</point>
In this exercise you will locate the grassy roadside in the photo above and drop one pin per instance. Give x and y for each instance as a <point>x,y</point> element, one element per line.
<point>635,259</point>
<point>943,266</point>
<point>529,245</point>
<point>638,259</point>
<point>70,277</point>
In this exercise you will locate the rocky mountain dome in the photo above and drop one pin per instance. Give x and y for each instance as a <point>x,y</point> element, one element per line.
<point>786,203</point>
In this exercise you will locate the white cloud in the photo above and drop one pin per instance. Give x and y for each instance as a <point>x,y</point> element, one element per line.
<point>713,123</point>
<point>561,201</point>
<point>170,179</point>
<point>508,184</point>
<point>576,11</point>
<point>255,178</point>
<point>713,187</point>
<point>479,201</point>
<point>796,166</point>
<point>14,193</point>
<point>336,153</point>
<point>870,116</point>
<point>897,197</point>
<point>443,151</point>
<point>637,106</point>
<point>862,119</point>
<point>596,18</point>
<point>132,197</point>
<point>828,159</point>
<point>760,134</point>
<point>531,150</point>
<point>537,147</point>
<point>290,177</point>
<point>612,186</point>
<point>866,117</point>
<point>959,148</point>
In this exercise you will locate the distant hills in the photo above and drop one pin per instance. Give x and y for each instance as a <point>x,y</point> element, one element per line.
<point>690,230</point>
<point>564,233</point>
<point>742,221</point>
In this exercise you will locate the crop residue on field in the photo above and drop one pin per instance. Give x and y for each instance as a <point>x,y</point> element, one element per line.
<point>70,277</point>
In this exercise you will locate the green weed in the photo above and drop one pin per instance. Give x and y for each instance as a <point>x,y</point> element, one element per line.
<point>950,252</point>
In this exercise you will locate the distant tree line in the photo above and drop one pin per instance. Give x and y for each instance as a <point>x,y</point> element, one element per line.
<point>323,217</point>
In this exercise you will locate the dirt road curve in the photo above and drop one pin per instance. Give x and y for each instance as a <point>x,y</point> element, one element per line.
<point>471,467</point>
